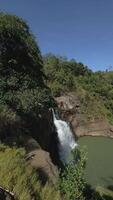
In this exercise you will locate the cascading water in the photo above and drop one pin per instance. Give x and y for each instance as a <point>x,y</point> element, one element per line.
<point>66,139</point>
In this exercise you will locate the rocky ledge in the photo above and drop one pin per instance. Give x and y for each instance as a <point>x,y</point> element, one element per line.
<point>70,107</point>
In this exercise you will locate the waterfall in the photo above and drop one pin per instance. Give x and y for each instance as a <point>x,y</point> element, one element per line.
<point>66,139</point>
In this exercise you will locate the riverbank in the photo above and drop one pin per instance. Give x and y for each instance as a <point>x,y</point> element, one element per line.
<point>99,127</point>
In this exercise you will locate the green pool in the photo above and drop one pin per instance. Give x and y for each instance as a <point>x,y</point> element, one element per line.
<point>99,168</point>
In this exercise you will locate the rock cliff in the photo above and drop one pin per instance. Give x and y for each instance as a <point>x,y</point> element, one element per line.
<point>70,109</point>
<point>41,161</point>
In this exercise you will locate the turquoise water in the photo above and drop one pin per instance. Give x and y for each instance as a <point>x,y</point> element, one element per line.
<point>99,167</point>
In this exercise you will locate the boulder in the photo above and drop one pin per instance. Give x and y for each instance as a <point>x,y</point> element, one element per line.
<point>42,162</point>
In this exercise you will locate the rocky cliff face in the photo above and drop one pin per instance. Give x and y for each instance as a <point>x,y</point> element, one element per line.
<point>41,147</point>
<point>40,160</point>
<point>70,108</point>
<point>46,136</point>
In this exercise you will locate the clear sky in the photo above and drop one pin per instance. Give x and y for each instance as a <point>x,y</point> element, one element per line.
<point>80,29</point>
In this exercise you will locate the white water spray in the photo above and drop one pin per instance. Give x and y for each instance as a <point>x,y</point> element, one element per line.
<point>66,139</point>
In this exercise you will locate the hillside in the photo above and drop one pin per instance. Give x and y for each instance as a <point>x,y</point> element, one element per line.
<point>94,90</point>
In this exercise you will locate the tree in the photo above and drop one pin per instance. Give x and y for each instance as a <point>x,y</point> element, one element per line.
<point>72,183</point>
<point>23,93</point>
<point>62,73</point>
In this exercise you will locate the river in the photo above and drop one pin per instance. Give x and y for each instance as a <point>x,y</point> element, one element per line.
<point>99,167</point>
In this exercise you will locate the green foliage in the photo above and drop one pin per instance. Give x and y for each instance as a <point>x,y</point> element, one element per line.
<point>50,193</point>
<point>93,89</point>
<point>18,49</point>
<point>72,184</point>
<point>20,178</point>
<point>61,73</point>
<point>23,93</point>
<point>16,175</point>
<point>100,91</point>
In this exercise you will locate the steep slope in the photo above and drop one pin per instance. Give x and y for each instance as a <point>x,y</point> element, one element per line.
<point>85,97</point>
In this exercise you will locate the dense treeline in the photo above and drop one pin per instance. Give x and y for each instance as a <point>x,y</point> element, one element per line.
<point>61,73</point>
<point>94,89</point>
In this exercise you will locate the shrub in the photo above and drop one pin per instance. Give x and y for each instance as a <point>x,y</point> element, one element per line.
<point>19,177</point>
<point>72,183</point>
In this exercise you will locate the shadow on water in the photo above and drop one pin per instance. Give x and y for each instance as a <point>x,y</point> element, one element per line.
<point>105,197</point>
<point>110,187</point>
<point>102,194</point>
<point>108,182</point>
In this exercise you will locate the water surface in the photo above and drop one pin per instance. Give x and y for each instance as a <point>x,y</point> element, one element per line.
<point>99,168</point>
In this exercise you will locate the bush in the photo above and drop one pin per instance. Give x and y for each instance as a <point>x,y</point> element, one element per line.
<point>72,183</point>
<point>20,178</point>
<point>17,176</point>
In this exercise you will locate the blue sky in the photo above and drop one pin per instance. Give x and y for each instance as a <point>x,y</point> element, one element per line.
<point>80,29</point>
